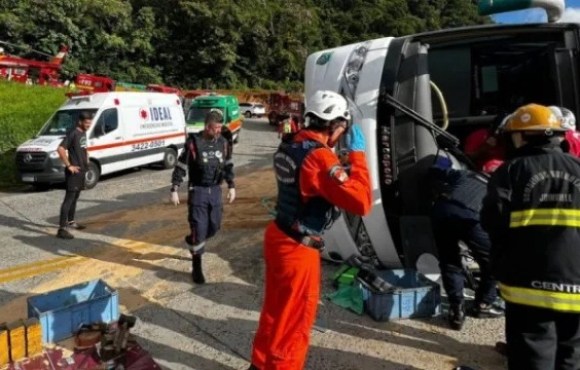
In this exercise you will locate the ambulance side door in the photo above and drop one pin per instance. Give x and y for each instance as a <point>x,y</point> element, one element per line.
<point>107,139</point>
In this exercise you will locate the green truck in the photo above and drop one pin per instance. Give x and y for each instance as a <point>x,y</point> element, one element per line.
<point>227,104</point>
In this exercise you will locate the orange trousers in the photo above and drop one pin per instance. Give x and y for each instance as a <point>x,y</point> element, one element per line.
<point>292,290</point>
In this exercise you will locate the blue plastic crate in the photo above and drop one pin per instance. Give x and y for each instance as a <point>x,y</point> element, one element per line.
<point>415,296</point>
<point>62,311</point>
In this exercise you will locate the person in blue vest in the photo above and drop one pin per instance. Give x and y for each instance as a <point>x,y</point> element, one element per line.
<point>458,196</point>
<point>207,160</point>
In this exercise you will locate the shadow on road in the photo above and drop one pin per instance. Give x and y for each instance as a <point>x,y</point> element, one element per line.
<point>179,323</point>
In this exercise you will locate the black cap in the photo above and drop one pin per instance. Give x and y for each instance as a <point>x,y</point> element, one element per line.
<point>85,115</point>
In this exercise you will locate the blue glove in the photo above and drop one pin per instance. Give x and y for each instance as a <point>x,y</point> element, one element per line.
<point>443,163</point>
<point>355,140</point>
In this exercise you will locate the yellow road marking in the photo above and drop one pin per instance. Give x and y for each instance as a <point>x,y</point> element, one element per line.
<point>54,264</point>
<point>37,268</point>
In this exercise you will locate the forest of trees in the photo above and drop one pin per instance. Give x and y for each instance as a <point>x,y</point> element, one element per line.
<point>213,43</point>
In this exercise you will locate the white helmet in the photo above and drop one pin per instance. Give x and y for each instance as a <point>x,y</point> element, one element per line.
<point>327,106</point>
<point>568,118</point>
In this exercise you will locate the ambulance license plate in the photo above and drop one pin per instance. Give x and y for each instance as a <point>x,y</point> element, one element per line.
<point>28,179</point>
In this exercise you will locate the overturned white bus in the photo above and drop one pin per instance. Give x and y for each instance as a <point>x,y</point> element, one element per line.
<point>453,82</point>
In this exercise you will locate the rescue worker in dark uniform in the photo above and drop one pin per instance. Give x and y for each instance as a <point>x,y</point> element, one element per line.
<point>455,217</point>
<point>532,214</point>
<point>207,160</point>
<point>227,134</point>
<point>73,152</point>
<point>311,183</point>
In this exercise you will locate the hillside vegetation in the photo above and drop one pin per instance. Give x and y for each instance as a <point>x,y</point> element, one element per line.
<point>23,110</point>
<point>213,43</point>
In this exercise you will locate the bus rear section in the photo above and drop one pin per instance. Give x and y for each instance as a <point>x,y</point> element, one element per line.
<point>459,81</point>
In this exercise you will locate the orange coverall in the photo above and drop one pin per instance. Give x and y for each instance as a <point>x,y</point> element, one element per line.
<point>292,285</point>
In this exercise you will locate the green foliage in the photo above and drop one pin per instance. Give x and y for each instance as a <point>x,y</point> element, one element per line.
<point>213,43</point>
<point>193,44</point>
<point>23,111</point>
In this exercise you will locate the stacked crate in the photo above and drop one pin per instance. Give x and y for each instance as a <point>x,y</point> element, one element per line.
<point>4,348</point>
<point>33,337</point>
<point>17,340</point>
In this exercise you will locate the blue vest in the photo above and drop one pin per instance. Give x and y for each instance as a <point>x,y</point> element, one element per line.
<point>209,156</point>
<point>293,215</point>
<point>465,188</point>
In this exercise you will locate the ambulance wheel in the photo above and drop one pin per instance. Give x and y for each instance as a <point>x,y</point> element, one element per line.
<point>170,158</point>
<point>92,176</point>
<point>248,114</point>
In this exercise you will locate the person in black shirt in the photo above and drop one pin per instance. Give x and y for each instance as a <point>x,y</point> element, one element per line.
<point>76,162</point>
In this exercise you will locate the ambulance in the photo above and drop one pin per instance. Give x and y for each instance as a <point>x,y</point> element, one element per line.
<point>129,129</point>
<point>420,95</point>
<point>228,106</point>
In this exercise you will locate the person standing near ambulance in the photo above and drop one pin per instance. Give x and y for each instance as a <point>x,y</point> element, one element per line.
<point>531,212</point>
<point>311,184</point>
<point>73,153</point>
<point>207,160</point>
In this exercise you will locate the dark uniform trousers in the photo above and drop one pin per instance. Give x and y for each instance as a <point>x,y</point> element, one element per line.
<point>75,183</point>
<point>542,339</point>
<point>204,213</point>
<point>453,223</point>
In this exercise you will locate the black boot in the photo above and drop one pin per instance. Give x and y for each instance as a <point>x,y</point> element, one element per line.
<point>456,316</point>
<point>197,271</point>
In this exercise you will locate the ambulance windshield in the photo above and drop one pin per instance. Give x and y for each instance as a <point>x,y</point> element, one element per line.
<point>197,114</point>
<point>63,121</point>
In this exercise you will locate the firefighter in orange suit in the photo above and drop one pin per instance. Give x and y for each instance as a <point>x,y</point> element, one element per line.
<point>532,214</point>
<point>311,184</point>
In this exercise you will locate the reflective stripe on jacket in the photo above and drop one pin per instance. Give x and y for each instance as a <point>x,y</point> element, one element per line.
<point>532,214</point>
<point>538,297</point>
<point>545,217</point>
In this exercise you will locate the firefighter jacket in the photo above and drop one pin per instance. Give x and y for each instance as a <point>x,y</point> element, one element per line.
<point>464,188</point>
<point>208,162</point>
<point>532,214</point>
<point>311,182</point>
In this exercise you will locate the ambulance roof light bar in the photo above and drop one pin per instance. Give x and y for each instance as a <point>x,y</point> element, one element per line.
<point>80,95</point>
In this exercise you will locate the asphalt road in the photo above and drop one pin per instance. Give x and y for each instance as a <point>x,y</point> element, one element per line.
<point>29,219</point>
<point>134,242</point>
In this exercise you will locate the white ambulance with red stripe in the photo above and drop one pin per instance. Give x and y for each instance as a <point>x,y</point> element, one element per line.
<point>129,129</point>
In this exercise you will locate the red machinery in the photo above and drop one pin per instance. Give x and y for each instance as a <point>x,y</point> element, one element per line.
<point>31,71</point>
<point>189,95</point>
<point>94,83</point>
<point>163,89</point>
<point>279,103</point>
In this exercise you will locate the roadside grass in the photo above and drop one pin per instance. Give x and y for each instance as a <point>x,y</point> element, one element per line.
<point>23,111</point>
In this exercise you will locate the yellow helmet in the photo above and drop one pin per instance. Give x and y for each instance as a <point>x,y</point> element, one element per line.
<point>534,117</point>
